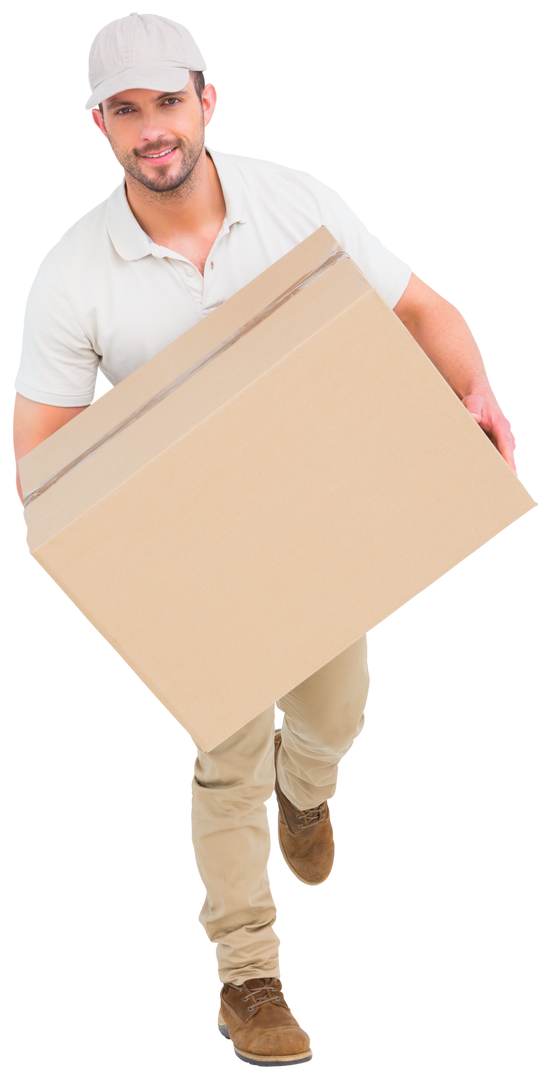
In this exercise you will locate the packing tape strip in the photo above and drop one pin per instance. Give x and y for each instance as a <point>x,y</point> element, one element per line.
<point>312,274</point>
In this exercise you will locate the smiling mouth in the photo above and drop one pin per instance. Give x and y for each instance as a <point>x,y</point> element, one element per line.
<point>161,154</point>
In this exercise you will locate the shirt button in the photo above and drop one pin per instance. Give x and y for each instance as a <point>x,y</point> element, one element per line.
<point>190,271</point>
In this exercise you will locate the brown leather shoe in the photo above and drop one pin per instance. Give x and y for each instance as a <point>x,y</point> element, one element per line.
<point>257,1019</point>
<point>305,836</point>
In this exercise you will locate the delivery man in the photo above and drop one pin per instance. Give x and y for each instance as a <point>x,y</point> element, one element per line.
<point>186,229</point>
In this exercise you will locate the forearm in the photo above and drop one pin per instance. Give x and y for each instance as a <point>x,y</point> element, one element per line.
<point>444,336</point>
<point>18,479</point>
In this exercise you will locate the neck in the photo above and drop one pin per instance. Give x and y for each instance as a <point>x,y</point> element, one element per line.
<point>196,207</point>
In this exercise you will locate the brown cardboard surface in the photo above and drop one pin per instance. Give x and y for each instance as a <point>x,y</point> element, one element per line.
<point>279,504</point>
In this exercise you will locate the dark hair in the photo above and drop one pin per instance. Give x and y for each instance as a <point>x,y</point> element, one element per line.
<point>198,82</point>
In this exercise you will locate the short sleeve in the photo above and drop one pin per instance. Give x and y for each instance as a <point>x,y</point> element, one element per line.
<point>58,364</point>
<point>388,271</point>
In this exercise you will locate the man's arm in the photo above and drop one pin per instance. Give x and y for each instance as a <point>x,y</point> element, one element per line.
<point>444,336</point>
<point>34,422</point>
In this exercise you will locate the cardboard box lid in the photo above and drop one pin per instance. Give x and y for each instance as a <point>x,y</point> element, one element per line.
<point>139,387</point>
<point>276,506</point>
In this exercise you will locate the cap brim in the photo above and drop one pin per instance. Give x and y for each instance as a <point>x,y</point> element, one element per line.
<point>161,77</point>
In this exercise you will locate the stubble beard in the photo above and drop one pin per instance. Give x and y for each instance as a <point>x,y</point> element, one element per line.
<point>172,184</point>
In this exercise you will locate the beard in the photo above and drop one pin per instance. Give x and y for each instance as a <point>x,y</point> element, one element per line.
<point>174,176</point>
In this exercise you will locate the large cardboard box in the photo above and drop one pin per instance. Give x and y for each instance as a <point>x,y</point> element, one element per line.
<point>255,498</point>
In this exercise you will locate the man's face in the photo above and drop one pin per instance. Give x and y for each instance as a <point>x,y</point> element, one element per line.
<point>157,138</point>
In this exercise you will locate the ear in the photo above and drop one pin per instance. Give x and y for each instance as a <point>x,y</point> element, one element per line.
<point>98,120</point>
<point>210,103</point>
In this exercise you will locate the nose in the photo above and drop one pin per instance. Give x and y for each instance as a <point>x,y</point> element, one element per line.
<point>152,129</point>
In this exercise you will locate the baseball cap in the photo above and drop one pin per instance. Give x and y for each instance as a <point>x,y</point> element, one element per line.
<point>145,51</point>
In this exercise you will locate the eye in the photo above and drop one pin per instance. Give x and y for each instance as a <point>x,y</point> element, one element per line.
<point>128,109</point>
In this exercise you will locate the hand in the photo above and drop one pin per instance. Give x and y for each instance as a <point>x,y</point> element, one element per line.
<point>489,416</point>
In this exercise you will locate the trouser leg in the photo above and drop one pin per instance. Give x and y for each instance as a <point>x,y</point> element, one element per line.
<point>323,716</point>
<point>230,831</point>
<point>232,843</point>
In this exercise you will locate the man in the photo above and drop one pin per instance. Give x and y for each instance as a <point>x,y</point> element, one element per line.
<point>185,230</point>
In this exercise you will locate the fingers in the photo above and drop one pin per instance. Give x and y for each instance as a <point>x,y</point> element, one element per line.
<point>492,421</point>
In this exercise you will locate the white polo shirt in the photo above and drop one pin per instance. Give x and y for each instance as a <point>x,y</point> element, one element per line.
<point>107,295</point>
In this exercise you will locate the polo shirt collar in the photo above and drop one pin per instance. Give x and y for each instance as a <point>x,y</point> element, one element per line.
<point>127,236</point>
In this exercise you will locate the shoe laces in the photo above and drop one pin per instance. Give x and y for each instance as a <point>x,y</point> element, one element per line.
<point>261,995</point>
<point>311,817</point>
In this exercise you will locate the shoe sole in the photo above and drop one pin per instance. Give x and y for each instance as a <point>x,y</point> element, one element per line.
<point>262,1059</point>
<point>284,859</point>
<point>305,881</point>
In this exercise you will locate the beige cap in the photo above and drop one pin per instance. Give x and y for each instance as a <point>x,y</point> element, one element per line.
<point>145,51</point>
